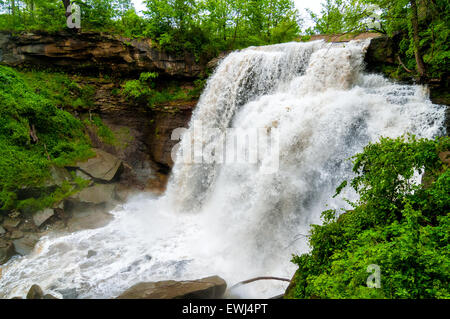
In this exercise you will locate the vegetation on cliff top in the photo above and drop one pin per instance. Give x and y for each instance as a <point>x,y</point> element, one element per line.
<point>398,224</point>
<point>144,91</point>
<point>205,27</point>
<point>422,24</point>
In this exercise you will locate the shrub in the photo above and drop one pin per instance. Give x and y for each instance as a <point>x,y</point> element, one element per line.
<point>25,162</point>
<point>398,224</point>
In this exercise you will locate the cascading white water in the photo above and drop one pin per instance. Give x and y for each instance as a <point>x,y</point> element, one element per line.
<point>232,220</point>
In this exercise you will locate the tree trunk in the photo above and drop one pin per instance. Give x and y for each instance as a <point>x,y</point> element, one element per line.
<point>416,40</point>
<point>66,5</point>
<point>13,13</point>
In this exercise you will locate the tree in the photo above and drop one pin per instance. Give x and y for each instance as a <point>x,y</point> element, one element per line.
<point>416,39</point>
<point>343,16</point>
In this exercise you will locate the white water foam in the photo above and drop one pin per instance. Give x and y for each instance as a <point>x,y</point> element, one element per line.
<point>231,220</point>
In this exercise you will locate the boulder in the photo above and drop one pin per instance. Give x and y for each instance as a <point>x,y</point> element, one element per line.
<point>91,253</point>
<point>97,194</point>
<point>103,166</point>
<point>11,223</point>
<point>48,296</point>
<point>70,293</point>
<point>89,219</point>
<point>381,51</point>
<point>58,175</point>
<point>2,231</point>
<point>207,288</point>
<point>16,234</point>
<point>42,216</point>
<point>35,292</point>
<point>28,226</point>
<point>83,175</point>
<point>216,61</point>
<point>6,251</point>
<point>25,245</point>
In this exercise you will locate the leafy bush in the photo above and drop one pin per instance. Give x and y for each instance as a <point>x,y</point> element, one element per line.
<point>398,224</point>
<point>144,91</point>
<point>105,134</point>
<point>60,89</point>
<point>24,161</point>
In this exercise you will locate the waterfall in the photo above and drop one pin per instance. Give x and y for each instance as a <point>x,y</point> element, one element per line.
<point>233,219</point>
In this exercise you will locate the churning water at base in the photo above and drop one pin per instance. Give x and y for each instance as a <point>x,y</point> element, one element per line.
<point>232,220</point>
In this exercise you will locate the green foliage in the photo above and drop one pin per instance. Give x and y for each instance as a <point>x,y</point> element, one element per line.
<point>342,16</point>
<point>103,132</point>
<point>145,92</point>
<point>49,15</point>
<point>393,17</point>
<point>207,27</point>
<point>397,224</point>
<point>24,162</point>
<point>61,90</point>
<point>203,27</point>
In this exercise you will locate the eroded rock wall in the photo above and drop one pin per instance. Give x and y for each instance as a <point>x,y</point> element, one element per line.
<point>92,52</point>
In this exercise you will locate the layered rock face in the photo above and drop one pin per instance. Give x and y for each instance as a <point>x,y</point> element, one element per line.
<point>93,52</point>
<point>139,160</point>
<point>144,134</point>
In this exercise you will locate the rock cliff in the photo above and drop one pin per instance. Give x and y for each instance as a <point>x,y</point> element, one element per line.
<point>93,53</point>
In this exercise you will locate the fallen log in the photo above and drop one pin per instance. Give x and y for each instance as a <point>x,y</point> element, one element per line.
<point>257,279</point>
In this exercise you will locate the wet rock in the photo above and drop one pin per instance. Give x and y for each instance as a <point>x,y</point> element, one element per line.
<point>28,226</point>
<point>83,175</point>
<point>59,205</point>
<point>11,223</point>
<point>2,231</point>
<point>97,194</point>
<point>6,251</point>
<point>381,51</point>
<point>42,216</point>
<point>207,288</point>
<point>92,218</point>
<point>16,234</point>
<point>103,166</point>
<point>157,184</point>
<point>216,61</point>
<point>91,253</point>
<point>58,175</point>
<point>25,245</point>
<point>48,296</point>
<point>123,192</point>
<point>35,292</point>
<point>160,142</point>
<point>70,293</point>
